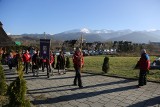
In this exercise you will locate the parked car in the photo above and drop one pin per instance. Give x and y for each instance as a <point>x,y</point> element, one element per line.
<point>155,64</point>
<point>67,54</point>
<point>85,53</point>
<point>56,53</point>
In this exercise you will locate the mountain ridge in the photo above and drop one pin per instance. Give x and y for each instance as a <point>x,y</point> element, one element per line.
<point>102,35</point>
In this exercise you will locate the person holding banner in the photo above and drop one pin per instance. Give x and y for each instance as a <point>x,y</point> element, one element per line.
<point>44,63</point>
<point>44,53</point>
<point>78,62</point>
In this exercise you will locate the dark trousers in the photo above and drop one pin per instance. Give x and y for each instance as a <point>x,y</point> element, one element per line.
<point>142,78</point>
<point>78,76</point>
<point>35,69</point>
<point>10,66</point>
<point>17,67</point>
<point>44,64</point>
<point>26,65</point>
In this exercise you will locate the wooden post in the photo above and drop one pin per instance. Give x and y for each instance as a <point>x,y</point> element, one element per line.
<point>81,49</point>
<point>44,35</point>
<point>81,42</point>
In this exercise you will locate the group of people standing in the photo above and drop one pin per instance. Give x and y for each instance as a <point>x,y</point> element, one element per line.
<point>78,62</point>
<point>11,59</point>
<point>34,62</point>
<point>39,62</point>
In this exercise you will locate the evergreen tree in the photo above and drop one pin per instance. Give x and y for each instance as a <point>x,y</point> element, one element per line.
<point>17,90</point>
<point>3,85</point>
<point>68,65</point>
<point>105,66</point>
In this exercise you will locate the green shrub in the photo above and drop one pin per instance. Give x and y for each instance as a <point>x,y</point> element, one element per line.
<point>105,66</point>
<point>3,85</point>
<point>68,64</point>
<point>17,90</point>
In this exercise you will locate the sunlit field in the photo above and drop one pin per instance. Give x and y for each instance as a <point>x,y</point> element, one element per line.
<point>119,66</point>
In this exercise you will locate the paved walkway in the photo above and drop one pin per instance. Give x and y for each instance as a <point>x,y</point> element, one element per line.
<point>98,91</point>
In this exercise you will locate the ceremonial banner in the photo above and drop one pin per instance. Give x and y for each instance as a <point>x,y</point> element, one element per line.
<point>44,48</point>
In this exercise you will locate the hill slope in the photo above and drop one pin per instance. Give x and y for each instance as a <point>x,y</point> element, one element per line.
<point>100,35</point>
<point>137,37</point>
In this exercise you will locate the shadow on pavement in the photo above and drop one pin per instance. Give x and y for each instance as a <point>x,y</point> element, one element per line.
<point>46,90</point>
<point>80,95</point>
<point>70,77</point>
<point>148,103</point>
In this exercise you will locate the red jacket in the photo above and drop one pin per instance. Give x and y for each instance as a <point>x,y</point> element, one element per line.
<point>44,60</point>
<point>144,62</point>
<point>78,59</point>
<point>26,57</point>
<point>51,59</point>
<point>47,61</point>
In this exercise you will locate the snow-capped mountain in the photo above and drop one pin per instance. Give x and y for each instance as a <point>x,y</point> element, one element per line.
<point>104,35</point>
<point>85,30</point>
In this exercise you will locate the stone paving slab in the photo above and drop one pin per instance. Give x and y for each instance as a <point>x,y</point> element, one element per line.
<point>98,91</point>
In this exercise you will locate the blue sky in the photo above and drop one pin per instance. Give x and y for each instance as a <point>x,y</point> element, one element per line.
<point>55,16</point>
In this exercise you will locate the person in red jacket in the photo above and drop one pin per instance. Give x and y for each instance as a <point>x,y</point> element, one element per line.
<point>78,62</point>
<point>143,65</point>
<point>51,62</point>
<point>26,59</point>
<point>44,63</point>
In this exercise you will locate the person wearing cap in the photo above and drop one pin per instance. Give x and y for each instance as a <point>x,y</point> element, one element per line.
<point>143,65</point>
<point>78,62</point>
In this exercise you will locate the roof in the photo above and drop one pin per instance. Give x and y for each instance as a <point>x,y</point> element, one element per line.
<point>1,23</point>
<point>5,39</point>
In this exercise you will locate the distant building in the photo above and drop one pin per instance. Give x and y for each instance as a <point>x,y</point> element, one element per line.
<point>155,47</point>
<point>93,46</point>
<point>71,44</point>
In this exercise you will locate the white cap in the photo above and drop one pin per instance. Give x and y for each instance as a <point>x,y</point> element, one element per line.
<point>143,51</point>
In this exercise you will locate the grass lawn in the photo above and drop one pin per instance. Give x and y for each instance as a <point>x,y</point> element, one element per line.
<point>119,66</point>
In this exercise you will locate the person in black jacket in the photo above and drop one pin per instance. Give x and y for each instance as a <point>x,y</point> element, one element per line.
<point>10,60</point>
<point>35,63</point>
<point>61,62</point>
<point>17,56</point>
